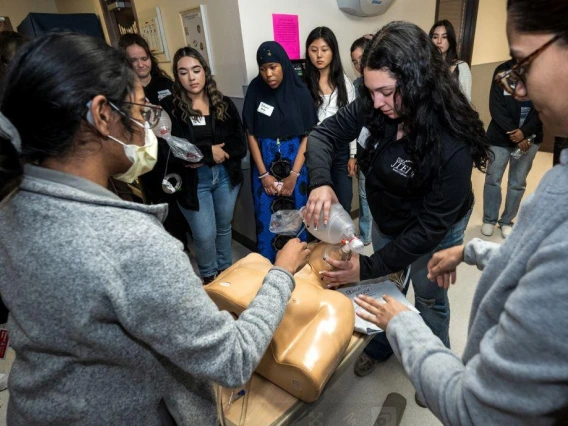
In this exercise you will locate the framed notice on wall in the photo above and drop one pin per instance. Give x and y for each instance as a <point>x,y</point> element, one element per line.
<point>152,29</point>
<point>196,32</point>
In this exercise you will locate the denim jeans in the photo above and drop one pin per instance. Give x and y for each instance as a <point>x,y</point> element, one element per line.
<point>365,217</point>
<point>518,171</point>
<point>430,300</point>
<point>211,224</point>
<point>342,183</point>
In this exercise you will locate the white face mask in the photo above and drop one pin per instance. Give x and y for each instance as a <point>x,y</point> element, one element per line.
<point>143,158</point>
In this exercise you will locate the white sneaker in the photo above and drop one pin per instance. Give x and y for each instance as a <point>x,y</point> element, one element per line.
<point>506,230</point>
<point>487,229</point>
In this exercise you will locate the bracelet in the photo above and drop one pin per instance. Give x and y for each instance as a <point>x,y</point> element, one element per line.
<point>263,176</point>
<point>295,172</point>
<point>318,184</point>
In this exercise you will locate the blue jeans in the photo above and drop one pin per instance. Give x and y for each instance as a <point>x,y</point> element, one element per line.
<point>342,184</point>
<point>430,300</point>
<point>211,224</point>
<point>365,217</point>
<point>518,172</point>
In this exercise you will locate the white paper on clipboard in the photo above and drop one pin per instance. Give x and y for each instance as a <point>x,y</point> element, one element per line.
<point>376,291</point>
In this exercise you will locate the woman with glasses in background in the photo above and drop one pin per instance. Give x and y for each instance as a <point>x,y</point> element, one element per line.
<point>201,114</point>
<point>107,317</point>
<point>443,36</point>
<point>514,369</point>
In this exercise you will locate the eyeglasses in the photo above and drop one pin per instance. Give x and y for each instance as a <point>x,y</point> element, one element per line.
<point>150,113</point>
<point>509,79</point>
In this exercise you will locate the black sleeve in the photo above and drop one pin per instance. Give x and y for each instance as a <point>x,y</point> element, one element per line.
<point>337,130</point>
<point>439,212</point>
<point>532,125</point>
<point>235,140</point>
<point>498,108</point>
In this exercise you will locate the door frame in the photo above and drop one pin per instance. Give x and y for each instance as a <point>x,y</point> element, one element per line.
<point>470,21</point>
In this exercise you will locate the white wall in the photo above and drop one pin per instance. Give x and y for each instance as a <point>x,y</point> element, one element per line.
<point>490,43</point>
<point>17,10</point>
<point>256,23</point>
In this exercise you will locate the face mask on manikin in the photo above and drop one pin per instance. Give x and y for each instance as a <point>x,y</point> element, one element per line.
<point>143,158</point>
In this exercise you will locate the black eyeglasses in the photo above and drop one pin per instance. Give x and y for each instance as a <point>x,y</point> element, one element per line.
<point>509,79</point>
<point>150,113</point>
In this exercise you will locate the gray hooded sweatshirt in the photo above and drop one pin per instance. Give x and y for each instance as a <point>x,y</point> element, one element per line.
<point>514,369</point>
<point>108,317</point>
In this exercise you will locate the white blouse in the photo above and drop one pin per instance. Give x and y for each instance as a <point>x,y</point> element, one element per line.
<point>329,107</point>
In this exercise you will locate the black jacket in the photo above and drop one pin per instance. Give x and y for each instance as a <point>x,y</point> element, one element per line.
<point>417,218</point>
<point>229,131</point>
<point>506,112</point>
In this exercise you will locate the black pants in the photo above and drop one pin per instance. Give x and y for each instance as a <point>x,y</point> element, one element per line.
<point>342,183</point>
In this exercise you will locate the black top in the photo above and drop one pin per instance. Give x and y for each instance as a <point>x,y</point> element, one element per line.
<point>230,131</point>
<point>158,88</point>
<point>506,114</point>
<point>202,130</point>
<point>284,112</point>
<point>418,218</point>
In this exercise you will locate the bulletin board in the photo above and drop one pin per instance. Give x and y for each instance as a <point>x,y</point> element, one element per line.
<point>196,32</point>
<point>152,29</point>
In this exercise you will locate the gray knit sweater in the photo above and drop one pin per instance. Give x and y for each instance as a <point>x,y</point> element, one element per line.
<point>107,315</point>
<point>514,369</point>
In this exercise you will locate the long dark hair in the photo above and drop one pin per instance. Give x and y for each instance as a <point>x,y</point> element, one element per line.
<point>127,40</point>
<point>452,53</point>
<point>432,103</point>
<point>46,92</point>
<point>336,74</point>
<point>10,42</point>
<point>182,99</point>
<point>539,16</point>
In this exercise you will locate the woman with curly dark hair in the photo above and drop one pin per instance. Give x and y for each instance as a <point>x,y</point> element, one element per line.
<point>421,141</point>
<point>443,36</point>
<point>201,114</point>
<point>331,89</point>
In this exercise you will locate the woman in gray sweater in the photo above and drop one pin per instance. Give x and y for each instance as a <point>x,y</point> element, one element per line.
<point>514,369</point>
<point>107,317</point>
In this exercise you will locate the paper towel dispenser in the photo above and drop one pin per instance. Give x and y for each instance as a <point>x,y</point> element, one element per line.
<point>364,7</point>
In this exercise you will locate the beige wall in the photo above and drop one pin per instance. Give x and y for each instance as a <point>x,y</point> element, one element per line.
<point>17,10</point>
<point>490,43</point>
<point>256,23</point>
<point>225,32</point>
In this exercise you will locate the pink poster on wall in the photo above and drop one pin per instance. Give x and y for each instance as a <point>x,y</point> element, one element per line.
<point>287,33</point>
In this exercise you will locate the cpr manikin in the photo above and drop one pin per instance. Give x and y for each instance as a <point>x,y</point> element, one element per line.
<point>313,335</point>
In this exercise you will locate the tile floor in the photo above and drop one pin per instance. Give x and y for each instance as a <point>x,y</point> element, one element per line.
<point>355,401</point>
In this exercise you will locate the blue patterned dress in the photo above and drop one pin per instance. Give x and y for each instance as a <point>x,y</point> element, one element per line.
<point>264,205</point>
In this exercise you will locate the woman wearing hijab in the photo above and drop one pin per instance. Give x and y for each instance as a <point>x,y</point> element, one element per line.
<point>278,114</point>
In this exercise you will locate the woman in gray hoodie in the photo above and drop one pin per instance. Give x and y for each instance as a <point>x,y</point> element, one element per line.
<point>107,317</point>
<point>514,369</point>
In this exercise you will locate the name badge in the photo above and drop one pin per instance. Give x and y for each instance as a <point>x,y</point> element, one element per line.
<point>362,139</point>
<point>265,109</point>
<point>198,121</point>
